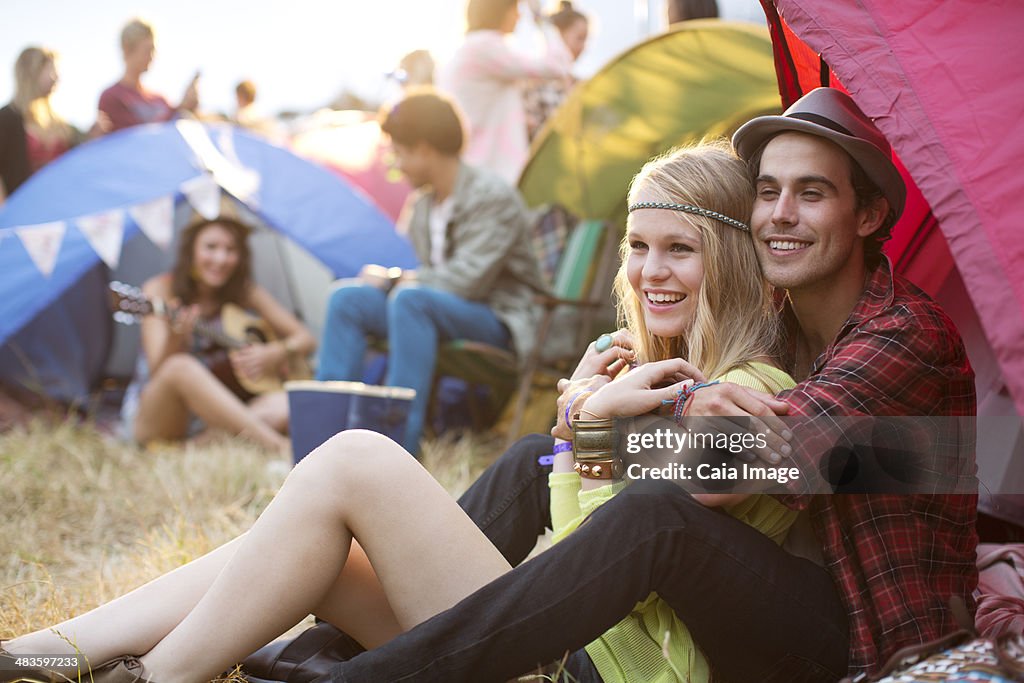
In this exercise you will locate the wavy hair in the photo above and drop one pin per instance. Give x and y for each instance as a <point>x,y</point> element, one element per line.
<point>33,106</point>
<point>735,319</point>
<point>183,284</point>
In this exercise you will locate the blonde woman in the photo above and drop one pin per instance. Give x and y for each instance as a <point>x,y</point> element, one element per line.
<point>32,134</point>
<point>363,536</point>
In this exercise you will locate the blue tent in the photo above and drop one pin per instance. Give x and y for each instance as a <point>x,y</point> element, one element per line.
<point>55,330</point>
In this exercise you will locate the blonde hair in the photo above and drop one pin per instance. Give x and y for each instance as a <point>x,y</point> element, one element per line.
<point>735,320</point>
<point>35,107</point>
<point>133,32</point>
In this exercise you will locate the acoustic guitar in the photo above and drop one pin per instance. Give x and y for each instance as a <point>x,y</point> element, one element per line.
<point>237,330</point>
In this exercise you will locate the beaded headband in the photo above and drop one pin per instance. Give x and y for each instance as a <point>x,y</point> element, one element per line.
<point>689,208</point>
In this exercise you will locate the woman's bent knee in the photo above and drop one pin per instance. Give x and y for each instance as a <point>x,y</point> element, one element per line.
<point>178,366</point>
<point>350,455</point>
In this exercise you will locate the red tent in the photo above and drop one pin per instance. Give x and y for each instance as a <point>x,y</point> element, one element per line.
<point>943,81</point>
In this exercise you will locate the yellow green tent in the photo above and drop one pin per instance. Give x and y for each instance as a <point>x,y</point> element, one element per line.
<point>701,78</point>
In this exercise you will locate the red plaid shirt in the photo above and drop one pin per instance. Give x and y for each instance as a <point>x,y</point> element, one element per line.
<point>896,559</point>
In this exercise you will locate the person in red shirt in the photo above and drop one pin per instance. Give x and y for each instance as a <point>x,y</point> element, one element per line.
<point>127,102</point>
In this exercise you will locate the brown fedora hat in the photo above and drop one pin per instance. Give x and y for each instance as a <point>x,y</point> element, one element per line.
<point>833,115</point>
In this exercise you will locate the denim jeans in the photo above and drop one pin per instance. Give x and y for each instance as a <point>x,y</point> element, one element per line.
<point>414,320</point>
<point>757,612</point>
<point>511,501</point>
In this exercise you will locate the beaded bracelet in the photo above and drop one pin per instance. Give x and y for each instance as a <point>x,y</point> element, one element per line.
<point>683,397</point>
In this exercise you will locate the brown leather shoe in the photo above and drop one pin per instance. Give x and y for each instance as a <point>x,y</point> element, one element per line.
<point>305,658</point>
<point>121,670</point>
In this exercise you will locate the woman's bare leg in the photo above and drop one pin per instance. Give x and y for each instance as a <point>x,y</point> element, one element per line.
<point>415,519</point>
<point>183,384</point>
<point>135,622</point>
<point>426,553</point>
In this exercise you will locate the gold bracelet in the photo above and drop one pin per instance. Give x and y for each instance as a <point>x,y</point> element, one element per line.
<point>594,439</point>
<point>593,415</point>
<point>610,468</point>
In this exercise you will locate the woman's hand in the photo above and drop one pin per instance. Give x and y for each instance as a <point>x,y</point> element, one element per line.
<point>182,321</point>
<point>643,389</point>
<point>259,360</point>
<point>609,362</point>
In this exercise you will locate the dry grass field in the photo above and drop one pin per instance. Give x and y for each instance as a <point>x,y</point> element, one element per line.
<point>84,517</point>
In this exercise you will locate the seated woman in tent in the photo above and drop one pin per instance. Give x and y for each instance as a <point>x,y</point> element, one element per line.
<point>375,545</point>
<point>196,362</point>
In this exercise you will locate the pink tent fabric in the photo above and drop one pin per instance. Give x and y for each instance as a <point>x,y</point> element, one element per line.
<point>351,144</point>
<point>1000,589</point>
<point>943,81</point>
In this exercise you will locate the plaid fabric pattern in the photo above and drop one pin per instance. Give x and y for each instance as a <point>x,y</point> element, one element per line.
<point>550,234</point>
<point>896,559</point>
<point>540,100</point>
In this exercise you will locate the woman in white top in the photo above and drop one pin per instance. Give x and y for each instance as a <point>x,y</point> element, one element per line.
<point>484,78</point>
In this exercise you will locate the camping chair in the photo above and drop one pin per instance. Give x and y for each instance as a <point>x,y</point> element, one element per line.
<point>581,284</point>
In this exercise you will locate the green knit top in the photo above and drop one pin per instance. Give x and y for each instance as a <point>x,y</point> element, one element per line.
<point>652,643</point>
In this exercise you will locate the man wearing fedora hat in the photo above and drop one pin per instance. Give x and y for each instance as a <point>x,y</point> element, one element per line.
<point>870,574</point>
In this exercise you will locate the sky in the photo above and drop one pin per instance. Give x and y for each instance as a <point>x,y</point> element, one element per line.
<point>300,53</point>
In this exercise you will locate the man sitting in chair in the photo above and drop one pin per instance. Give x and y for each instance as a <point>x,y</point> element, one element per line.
<point>477,272</point>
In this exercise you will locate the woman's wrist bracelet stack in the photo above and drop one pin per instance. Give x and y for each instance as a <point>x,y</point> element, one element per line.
<point>595,449</point>
<point>568,406</point>
<point>682,400</point>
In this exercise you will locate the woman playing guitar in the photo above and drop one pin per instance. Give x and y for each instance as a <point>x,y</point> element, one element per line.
<point>182,374</point>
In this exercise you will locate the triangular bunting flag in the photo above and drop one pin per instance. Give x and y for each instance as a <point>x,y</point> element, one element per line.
<point>234,176</point>
<point>105,233</point>
<point>229,172</point>
<point>156,220</point>
<point>203,193</point>
<point>42,242</point>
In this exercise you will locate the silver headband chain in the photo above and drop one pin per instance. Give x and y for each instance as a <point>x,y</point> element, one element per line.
<point>689,208</point>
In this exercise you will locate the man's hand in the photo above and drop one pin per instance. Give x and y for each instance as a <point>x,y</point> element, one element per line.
<point>380,277</point>
<point>575,391</point>
<point>759,412</point>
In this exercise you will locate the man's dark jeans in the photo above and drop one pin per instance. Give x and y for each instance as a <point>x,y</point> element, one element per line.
<point>511,502</point>
<point>758,613</point>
